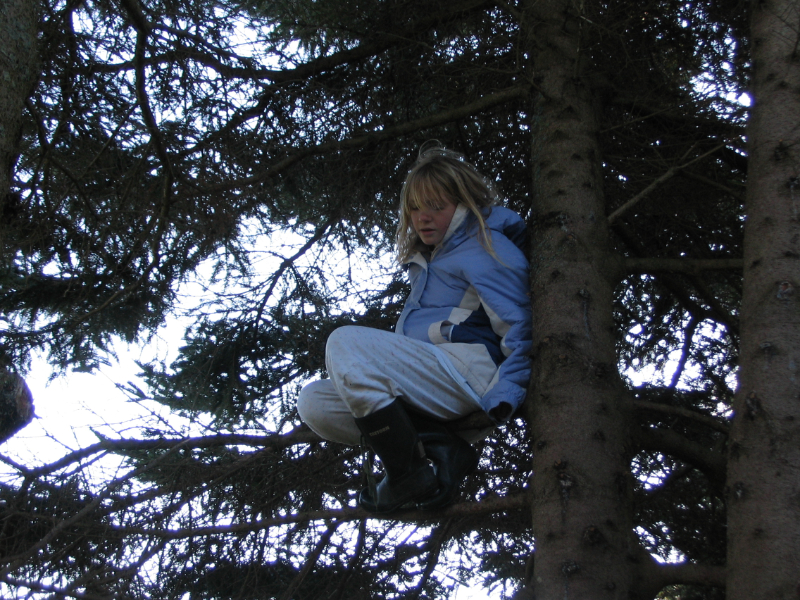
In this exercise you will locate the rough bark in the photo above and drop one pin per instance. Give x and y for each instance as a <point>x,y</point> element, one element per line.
<point>18,72</point>
<point>763,488</point>
<point>580,487</point>
<point>16,404</point>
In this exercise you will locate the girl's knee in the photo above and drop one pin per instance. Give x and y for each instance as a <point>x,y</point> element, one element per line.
<point>353,343</point>
<point>342,339</point>
<point>342,347</point>
<point>308,405</point>
<point>324,412</point>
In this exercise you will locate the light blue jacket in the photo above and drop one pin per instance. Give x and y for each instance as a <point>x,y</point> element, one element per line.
<point>476,308</point>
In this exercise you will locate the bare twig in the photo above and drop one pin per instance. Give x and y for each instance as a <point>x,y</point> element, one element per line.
<point>311,560</point>
<point>681,265</point>
<point>665,177</point>
<point>716,424</point>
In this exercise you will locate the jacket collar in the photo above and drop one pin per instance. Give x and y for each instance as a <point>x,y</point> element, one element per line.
<point>458,218</point>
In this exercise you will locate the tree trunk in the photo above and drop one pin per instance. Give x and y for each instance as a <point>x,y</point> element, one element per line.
<point>763,487</point>
<point>581,480</point>
<point>16,404</point>
<point>18,72</point>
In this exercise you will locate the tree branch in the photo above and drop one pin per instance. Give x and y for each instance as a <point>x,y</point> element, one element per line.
<point>352,563</point>
<point>681,265</point>
<point>57,592</point>
<point>375,137</point>
<point>737,195</point>
<point>713,423</point>
<point>136,14</point>
<point>463,509</point>
<point>381,41</point>
<point>654,576</point>
<point>672,171</point>
<point>13,562</point>
<point>711,462</point>
<point>310,561</point>
<point>434,547</point>
<point>300,435</point>
<point>715,312</point>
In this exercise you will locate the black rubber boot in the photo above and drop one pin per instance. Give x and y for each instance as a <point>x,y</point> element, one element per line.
<point>453,459</point>
<point>409,478</point>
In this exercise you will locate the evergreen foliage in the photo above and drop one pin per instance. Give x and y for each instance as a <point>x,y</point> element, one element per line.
<point>263,145</point>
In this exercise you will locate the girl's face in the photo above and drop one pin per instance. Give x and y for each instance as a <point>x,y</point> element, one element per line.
<point>431,222</point>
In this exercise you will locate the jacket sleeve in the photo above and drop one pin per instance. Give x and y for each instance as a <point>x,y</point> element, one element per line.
<point>504,291</point>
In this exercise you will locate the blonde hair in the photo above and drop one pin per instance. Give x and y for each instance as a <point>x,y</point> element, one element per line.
<point>440,176</point>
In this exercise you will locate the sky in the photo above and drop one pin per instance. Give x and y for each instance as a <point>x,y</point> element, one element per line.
<point>70,407</point>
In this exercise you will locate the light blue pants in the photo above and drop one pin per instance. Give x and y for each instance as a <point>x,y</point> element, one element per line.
<point>369,369</point>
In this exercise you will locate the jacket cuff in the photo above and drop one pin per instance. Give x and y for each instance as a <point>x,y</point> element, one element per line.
<point>503,400</point>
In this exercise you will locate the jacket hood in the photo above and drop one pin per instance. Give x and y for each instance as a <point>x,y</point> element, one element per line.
<point>510,224</point>
<point>498,218</point>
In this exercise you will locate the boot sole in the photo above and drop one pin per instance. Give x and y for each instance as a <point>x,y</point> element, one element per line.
<point>408,499</point>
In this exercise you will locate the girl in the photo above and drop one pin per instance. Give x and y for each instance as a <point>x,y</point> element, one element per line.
<point>461,343</point>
